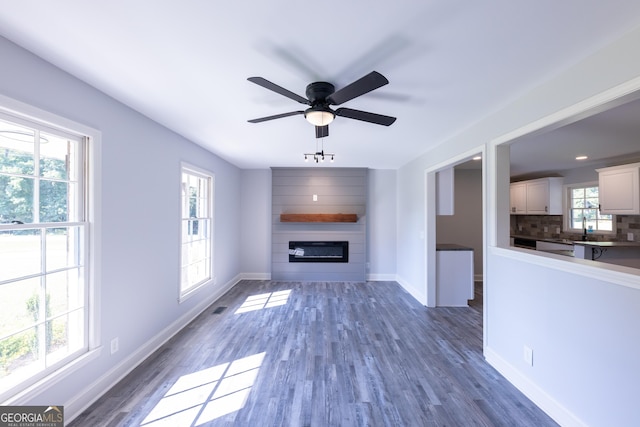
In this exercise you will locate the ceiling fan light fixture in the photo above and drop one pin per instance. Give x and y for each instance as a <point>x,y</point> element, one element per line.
<point>319,116</point>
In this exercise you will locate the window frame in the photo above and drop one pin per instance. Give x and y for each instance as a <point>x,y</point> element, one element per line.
<point>566,209</point>
<point>89,189</point>
<point>186,292</point>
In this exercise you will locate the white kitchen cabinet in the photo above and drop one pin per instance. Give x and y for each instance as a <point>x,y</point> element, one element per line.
<point>518,195</point>
<point>445,192</point>
<point>619,189</point>
<point>541,196</point>
<point>454,275</point>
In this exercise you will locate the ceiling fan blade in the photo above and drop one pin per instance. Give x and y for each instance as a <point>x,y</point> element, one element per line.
<point>365,116</point>
<point>322,131</point>
<point>277,116</point>
<point>278,89</point>
<point>365,84</point>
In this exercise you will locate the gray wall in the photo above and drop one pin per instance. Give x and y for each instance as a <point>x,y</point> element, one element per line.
<point>464,227</point>
<point>531,300</point>
<point>339,190</point>
<point>381,215</point>
<point>138,211</point>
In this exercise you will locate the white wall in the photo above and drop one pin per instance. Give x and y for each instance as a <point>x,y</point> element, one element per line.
<point>381,220</point>
<point>140,221</point>
<point>255,219</point>
<point>582,329</point>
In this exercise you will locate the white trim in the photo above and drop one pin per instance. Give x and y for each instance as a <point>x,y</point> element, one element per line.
<point>552,407</point>
<point>193,170</point>
<point>27,395</point>
<point>606,100</point>
<point>430,220</point>
<point>421,297</point>
<point>29,112</point>
<point>378,277</point>
<point>255,276</point>
<point>499,147</point>
<point>92,155</point>
<point>566,208</point>
<point>611,273</point>
<point>92,392</point>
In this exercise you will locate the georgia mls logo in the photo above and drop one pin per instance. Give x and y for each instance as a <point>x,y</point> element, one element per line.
<point>31,416</point>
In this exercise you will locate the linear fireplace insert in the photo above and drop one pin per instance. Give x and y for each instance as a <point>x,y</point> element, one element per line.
<point>319,251</point>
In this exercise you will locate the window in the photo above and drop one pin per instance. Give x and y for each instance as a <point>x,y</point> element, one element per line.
<point>43,241</point>
<point>197,220</point>
<point>584,212</point>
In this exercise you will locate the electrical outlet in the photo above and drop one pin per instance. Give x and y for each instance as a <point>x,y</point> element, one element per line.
<point>546,229</point>
<point>114,345</point>
<point>630,237</point>
<point>528,355</point>
<point>315,197</point>
<point>557,230</point>
<point>519,228</point>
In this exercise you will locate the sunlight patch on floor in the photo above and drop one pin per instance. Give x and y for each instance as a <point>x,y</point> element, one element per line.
<point>208,394</point>
<point>268,300</point>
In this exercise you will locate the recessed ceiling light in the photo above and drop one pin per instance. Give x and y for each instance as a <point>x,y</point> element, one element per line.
<point>582,158</point>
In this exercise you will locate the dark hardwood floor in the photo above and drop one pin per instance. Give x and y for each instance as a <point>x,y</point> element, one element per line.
<point>319,354</point>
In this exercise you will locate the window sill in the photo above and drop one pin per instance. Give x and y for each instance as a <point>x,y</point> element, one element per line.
<point>192,291</point>
<point>27,395</point>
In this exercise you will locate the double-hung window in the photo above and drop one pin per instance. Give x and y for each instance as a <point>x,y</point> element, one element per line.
<point>584,212</point>
<point>197,232</point>
<point>43,251</point>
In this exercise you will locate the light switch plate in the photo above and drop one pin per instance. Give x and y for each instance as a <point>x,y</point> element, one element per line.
<point>630,237</point>
<point>315,197</point>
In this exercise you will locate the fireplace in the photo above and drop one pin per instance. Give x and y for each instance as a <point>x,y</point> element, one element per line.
<point>319,251</point>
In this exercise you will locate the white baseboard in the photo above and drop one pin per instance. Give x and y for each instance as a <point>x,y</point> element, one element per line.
<point>553,408</point>
<point>381,277</point>
<point>420,296</point>
<point>255,276</point>
<point>86,397</point>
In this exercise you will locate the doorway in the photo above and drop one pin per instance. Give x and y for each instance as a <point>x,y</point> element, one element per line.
<point>465,225</point>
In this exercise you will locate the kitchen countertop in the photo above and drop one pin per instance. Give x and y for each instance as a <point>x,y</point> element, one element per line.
<point>600,244</point>
<point>451,247</point>
<point>608,244</point>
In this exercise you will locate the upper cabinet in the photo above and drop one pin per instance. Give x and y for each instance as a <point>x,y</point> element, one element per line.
<point>518,197</point>
<point>619,189</point>
<point>537,197</point>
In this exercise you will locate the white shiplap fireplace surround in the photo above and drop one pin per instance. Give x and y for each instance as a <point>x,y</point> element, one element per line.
<point>318,191</point>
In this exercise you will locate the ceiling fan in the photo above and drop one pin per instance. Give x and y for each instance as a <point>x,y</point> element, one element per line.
<point>320,95</point>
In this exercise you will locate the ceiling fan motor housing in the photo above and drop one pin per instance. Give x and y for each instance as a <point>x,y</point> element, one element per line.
<point>318,92</point>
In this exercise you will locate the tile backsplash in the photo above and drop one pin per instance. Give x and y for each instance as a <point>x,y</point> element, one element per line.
<point>535,226</point>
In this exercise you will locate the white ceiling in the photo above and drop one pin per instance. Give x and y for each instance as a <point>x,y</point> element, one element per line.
<point>185,63</point>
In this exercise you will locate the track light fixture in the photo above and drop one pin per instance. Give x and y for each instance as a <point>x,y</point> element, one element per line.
<point>318,156</point>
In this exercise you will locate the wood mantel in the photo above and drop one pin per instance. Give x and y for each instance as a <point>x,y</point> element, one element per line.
<point>318,218</point>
